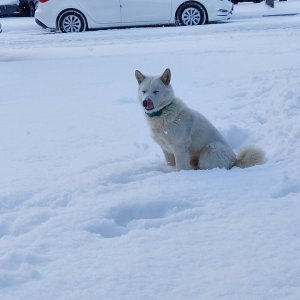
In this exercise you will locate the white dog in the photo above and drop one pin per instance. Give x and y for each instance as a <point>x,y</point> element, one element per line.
<point>187,138</point>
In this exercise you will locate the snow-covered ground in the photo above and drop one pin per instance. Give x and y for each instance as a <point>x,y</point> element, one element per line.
<point>8,2</point>
<point>88,208</point>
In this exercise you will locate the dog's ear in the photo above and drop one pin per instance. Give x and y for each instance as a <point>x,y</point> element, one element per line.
<point>166,77</point>
<point>139,76</point>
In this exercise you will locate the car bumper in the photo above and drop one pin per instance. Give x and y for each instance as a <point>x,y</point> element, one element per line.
<point>40,23</point>
<point>224,11</point>
<point>45,19</point>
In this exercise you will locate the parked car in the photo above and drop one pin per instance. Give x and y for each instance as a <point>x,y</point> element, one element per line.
<point>8,7</point>
<point>81,15</point>
<point>237,1</point>
<point>24,8</point>
<point>29,7</point>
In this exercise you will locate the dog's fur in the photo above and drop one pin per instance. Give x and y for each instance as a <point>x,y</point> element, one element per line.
<point>187,138</point>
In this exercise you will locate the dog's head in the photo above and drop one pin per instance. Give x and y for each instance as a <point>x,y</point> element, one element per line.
<point>155,92</point>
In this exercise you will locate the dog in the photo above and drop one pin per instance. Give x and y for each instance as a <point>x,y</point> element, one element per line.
<point>188,140</point>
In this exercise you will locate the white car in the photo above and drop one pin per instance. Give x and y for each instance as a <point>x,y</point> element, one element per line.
<point>81,15</point>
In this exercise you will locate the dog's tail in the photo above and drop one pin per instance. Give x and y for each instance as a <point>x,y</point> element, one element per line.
<point>249,157</point>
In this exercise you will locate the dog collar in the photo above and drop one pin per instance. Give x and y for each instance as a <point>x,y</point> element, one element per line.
<point>157,113</point>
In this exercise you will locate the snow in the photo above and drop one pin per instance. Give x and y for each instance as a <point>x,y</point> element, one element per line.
<point>8,2</point>
<point>88,207</point>
<point>246,10</point>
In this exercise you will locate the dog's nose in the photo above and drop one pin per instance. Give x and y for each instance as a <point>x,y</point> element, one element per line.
<point>148,104</point>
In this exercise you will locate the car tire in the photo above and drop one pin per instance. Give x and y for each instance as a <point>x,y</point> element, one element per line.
<point>191,13</point>
<point>72,21</point>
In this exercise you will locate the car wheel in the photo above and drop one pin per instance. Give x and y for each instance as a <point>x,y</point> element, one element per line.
<point>72,21</point>
<point>191,14</point>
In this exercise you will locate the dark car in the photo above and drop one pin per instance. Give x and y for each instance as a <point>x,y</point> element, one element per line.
<point>8,8</point>
<point>25,8</point>
<point>237,1</point>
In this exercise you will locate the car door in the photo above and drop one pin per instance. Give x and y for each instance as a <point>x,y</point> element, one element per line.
<point>102,11</point>
<point>145,11</point>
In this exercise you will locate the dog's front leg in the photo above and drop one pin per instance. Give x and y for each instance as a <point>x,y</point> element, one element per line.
<point>182,158</point>
<point>170,159</point>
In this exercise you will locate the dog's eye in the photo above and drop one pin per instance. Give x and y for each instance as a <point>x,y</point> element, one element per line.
<point>143,92</point>
<point>155,92</point>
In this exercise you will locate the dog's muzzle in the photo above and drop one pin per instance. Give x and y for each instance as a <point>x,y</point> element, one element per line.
<point>148,104</point>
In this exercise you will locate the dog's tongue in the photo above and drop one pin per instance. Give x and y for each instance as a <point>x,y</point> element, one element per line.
<point>148,104</point>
